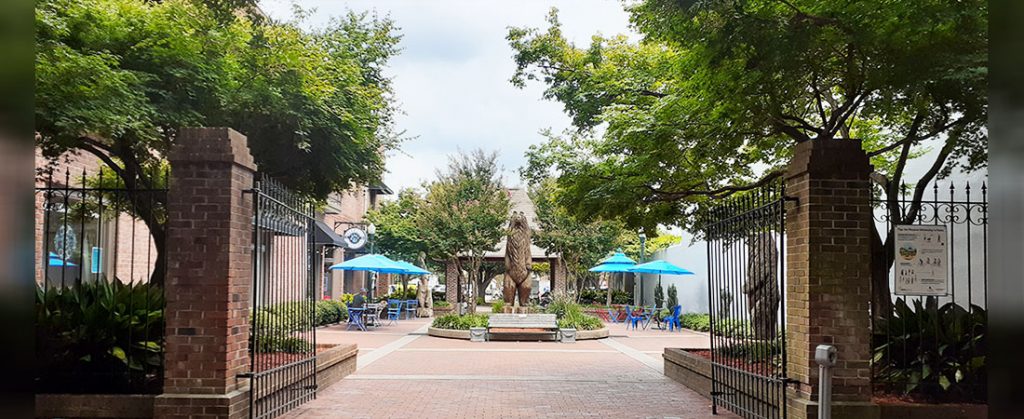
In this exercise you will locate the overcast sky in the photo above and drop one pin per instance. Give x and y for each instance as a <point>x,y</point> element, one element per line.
<point>451,77</point>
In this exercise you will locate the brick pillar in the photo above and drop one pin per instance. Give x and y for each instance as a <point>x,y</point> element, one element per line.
<point>209,275</point>
<point>383,283</point>
<point>828,275</point>
<point>557,276</point>
<point>451,281</point>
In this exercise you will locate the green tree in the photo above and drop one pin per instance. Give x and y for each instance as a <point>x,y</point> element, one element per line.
<point>398,236</point>
<point>580,243</point>
<point>116,79</point>
<point>659,295</point>
<point>710,102</point>
<point>464,214</point>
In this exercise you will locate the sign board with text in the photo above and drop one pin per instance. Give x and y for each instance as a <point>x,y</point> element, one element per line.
<point>921,255</point>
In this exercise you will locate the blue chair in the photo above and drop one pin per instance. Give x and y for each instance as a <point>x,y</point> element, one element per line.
<point>613,316</point>
<point>355,318</point>
<point>410,308</point>
<point>632,319</point>
<point>672,320</point>
<point>394,311</point>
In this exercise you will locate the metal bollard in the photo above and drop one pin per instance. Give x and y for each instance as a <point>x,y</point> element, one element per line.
<point>825,356</point>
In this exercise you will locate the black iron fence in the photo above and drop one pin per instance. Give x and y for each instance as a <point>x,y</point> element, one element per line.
<point>746,243</point>
<point>930,342</point>
<point>283,337</point>
<point>99,276</point>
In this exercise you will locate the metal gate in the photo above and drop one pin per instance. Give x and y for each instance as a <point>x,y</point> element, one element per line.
<point>746,242</point>
<point>282,344</point>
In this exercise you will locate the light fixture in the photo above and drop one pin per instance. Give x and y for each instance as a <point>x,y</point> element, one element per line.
<point>371,229</point>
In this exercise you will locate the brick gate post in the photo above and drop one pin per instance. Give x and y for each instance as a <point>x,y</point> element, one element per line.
<point>208,276</point>
<point>828,275</point>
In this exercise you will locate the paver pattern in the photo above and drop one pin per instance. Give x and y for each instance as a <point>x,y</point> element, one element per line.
<point>428,377</point>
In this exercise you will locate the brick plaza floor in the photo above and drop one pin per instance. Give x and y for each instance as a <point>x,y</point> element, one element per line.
<point>403,373</point>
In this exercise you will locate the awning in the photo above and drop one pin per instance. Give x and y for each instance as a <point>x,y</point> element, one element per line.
<point>325,236</point>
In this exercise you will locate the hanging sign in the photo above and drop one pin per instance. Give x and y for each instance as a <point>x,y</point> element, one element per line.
<point>921,260</point>
<point>355,238</point>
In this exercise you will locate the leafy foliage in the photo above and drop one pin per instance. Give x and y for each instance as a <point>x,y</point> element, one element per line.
<point>498,306</point>
<point>100,337</point>
<point>659,296</point>
<point>465,211</point>
<point>457,322</point>
<point>933,351</point>
<point>713,97</point>
<point>673,296</point>
<point>571,315</point>
<point>592,296</point>
<point>398,236</point>
<point>119,77</point>
<point>700,322</point>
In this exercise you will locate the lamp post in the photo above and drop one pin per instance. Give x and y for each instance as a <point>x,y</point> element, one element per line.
<point>643,256</point>
<point>370,230</point>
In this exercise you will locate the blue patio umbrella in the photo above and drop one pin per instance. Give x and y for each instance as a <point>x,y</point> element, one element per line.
<point>618,258</point>
<point>659,267</point>
<point>616,263</point>
<point>370,263</point>
<point>55,260</point>
<point>411,269</point>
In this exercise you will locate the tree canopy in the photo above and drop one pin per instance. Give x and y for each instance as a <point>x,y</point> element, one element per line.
<point>118,78</point>
<point>398,236</point>
<point>714,96</point>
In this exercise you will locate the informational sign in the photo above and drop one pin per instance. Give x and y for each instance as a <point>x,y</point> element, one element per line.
<point>921,260</point>
<point>97,261</point>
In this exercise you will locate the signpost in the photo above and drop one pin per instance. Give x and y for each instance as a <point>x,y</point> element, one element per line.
<point>921,260</point>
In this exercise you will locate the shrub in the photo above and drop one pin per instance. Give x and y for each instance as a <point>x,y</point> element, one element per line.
<point>498,306</point>
<point>659,296</point>
<point>409,294</point>
<point>700,322</point>
<point>933,351</point>
<point>480,300</point>
<point>600,297</point>
<point>456,322</point>
<point>347,298</point>
<point>673,296</point>
<point>733,328</point>
<point>570,315</point>
<point>442,303</point>
<point>330,312</point>
<point>100,337</point>
<point>285,344</point>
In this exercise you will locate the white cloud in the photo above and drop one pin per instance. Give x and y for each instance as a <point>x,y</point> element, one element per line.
<point>451,79</point>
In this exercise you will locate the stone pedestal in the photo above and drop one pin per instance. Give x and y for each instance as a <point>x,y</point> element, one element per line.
<point>828,281</point>
<point>209,239</point>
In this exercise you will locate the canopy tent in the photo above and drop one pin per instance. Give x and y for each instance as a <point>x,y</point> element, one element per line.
<point>659,267</point>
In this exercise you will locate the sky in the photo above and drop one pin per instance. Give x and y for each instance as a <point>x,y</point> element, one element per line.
<point>451,78</point>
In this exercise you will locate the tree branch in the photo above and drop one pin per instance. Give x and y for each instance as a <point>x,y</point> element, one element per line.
<point>715,193</point>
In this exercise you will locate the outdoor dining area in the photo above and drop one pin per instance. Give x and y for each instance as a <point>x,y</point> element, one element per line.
<point>641,316</point>
<point>363,314</point>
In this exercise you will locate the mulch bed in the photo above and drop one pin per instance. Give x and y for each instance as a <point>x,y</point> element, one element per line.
<point>738,363</point>
<point>266,361</point>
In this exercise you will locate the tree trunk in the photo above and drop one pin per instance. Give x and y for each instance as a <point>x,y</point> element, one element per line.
<point>881,261</point>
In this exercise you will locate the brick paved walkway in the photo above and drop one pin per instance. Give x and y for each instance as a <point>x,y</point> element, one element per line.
<point>404,373</point>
